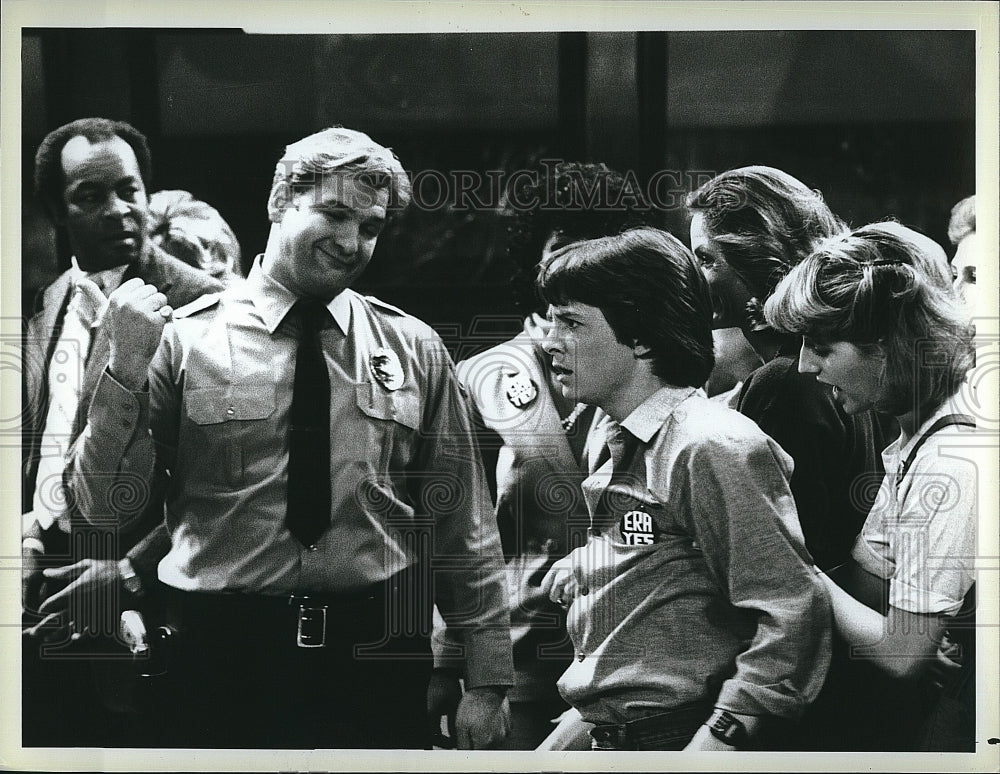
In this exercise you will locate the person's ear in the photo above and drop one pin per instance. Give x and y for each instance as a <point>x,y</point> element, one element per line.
<point>279,200</point>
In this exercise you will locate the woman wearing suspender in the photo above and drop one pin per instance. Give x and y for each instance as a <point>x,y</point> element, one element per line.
<point>881,325</point>
<point>749,227</point>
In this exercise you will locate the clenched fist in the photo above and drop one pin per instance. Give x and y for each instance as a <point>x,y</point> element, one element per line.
<point>135,318</point>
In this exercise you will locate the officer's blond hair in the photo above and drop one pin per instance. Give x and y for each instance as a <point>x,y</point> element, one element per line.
<point>337,151</point>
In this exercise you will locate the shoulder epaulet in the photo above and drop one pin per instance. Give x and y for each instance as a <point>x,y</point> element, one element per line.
<point>198,305</point>
<point>383,305</point>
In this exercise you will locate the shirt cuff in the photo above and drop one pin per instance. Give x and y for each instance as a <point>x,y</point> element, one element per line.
<point>118,412</point>
<point>751,699</point>
<point>917,600</point>
<point>488,658</point>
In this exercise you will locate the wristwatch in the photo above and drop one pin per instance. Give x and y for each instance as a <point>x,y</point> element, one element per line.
<point>131,581</point>
<point>727,728</point>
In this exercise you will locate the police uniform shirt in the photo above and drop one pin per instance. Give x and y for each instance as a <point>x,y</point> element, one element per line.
<point>404,468</point>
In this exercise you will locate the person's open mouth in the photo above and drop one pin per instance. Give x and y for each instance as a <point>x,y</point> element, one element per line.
<point>834,389</point>
<point>129,238</point>
<point>561,372</point>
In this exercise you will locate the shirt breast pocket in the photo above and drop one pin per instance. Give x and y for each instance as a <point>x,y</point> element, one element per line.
<point>393,421</point>
<point>226,424</point>
<point>400,406</point>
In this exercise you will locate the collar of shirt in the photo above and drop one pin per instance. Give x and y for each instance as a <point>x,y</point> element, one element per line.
<point>650,415</point>
<point>107,280</point>
<point>273,300</point>
<point>895,452</point>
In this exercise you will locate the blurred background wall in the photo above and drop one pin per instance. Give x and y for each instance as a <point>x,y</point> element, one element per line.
<point>881,121</point>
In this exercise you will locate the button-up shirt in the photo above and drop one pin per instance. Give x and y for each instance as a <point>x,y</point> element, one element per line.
<point>212,434</point>
<point>696,585</point>
<point>921,532</point>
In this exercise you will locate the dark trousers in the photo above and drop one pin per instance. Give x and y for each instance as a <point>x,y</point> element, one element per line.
<point>236,677</point>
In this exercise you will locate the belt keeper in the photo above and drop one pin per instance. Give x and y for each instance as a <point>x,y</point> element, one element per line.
<point>311,629</point>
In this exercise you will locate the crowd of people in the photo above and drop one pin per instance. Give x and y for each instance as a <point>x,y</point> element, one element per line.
<point>708,498</point>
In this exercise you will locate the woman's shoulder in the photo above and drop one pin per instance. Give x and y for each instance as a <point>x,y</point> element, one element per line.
<point>777,387</point>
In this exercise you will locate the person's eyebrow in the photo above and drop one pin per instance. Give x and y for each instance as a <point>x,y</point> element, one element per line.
<point>566,314</point>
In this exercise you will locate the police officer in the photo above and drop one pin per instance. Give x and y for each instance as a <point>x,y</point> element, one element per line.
<point>306,553</point>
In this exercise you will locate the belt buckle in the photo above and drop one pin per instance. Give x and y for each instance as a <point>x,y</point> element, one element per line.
<point>311,630</point>
<point>610,737</point>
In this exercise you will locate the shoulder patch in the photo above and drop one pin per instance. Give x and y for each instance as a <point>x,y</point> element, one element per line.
<point>199,304</point>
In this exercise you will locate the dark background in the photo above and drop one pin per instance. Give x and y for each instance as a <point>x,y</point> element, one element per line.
<point>882,122</point>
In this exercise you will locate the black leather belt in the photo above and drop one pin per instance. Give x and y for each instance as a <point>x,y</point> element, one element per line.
<point>668,730</point>
<point>302,616</point>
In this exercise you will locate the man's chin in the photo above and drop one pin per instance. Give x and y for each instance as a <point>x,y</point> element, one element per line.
<point>108,259</point>
<point>123,252</point>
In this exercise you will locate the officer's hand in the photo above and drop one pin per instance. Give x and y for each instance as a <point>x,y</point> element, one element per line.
<point>87,581</point>
<point>443,696</point>
<point>483,719</point>
<point>135,318</point>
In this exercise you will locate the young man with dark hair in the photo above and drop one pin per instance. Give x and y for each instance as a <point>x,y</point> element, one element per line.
<point>697,619</point>
<point>532,436</point>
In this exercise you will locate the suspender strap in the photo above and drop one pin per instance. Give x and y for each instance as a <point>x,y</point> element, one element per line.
<point>945,421</point>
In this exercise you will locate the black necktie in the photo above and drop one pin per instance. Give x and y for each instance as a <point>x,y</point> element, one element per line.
<point>309,434</point>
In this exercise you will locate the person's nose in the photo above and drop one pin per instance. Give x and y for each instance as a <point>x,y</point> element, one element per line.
<point>809,363</point>
<point>115,206</point>
<point>346,238</point>
<point>551,344</point>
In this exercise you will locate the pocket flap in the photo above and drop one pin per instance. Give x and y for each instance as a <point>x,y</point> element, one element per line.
<point>400,406</point>
<point>213,405</point>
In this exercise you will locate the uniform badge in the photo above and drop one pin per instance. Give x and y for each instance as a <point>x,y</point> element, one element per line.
<point>519,389</point>
<point>638,529</point>
<point>386,368</point>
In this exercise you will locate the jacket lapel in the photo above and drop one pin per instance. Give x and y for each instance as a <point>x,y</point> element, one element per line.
<point>54,302</point>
